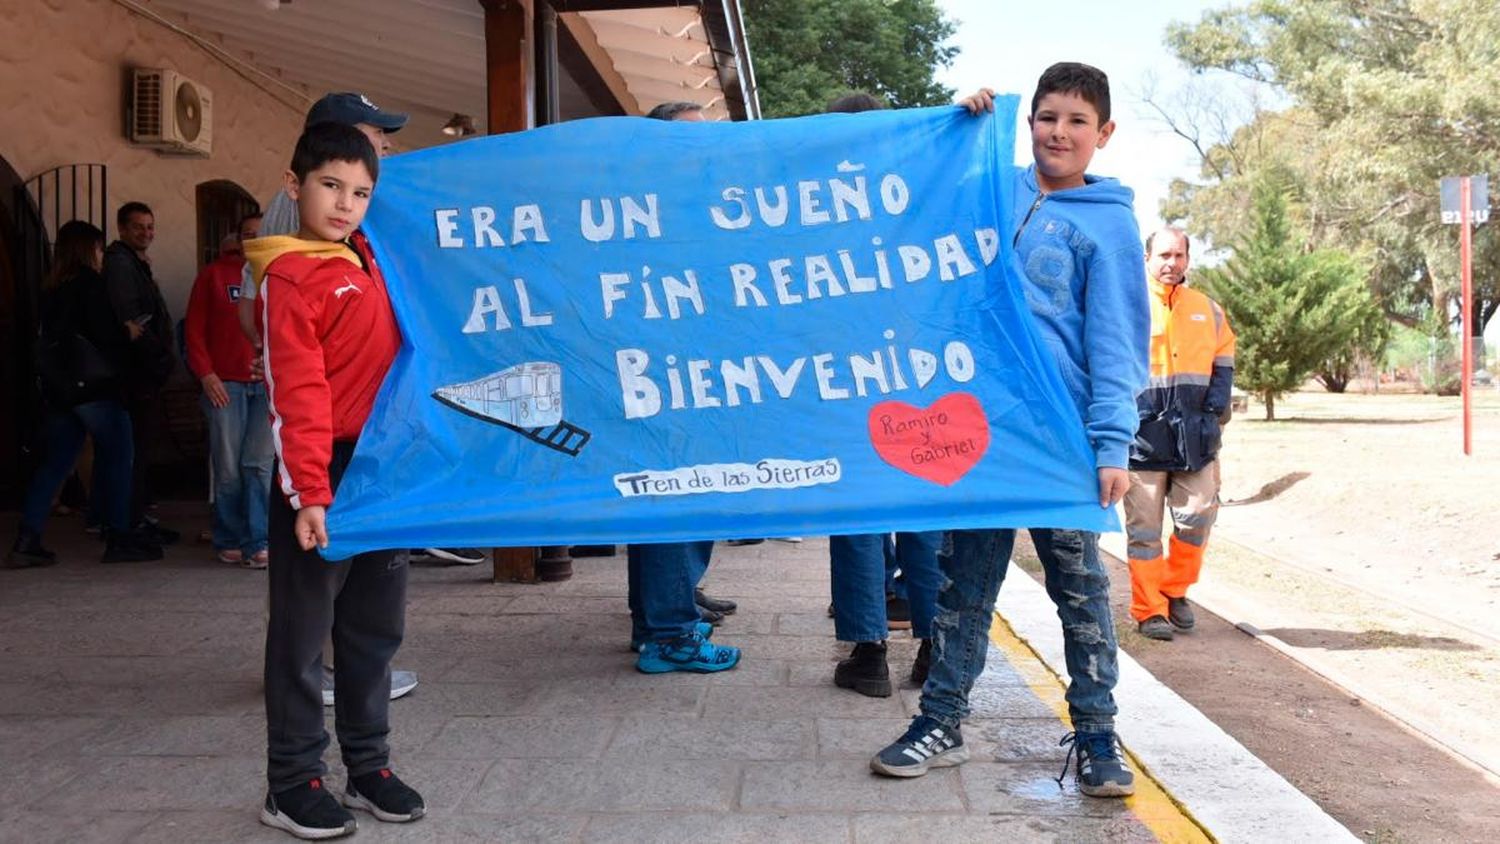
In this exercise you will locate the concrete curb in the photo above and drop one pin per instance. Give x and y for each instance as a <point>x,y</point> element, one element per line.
<point>1224,786</point>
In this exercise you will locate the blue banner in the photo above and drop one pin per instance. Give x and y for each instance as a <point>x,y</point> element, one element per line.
<point>627,330</point>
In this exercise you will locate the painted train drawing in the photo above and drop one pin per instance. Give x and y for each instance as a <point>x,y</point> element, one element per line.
<point>527,398</point>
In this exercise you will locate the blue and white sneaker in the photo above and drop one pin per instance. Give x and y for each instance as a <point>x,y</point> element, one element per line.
<point>1101,770</point>
<point>702,628</point>
<point>693,652</point>
<point>927,743</point>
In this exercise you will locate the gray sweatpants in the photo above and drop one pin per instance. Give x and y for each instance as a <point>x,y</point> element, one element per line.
<point>363,602</point>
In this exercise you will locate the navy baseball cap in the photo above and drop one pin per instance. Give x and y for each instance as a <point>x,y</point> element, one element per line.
<point>350,109</point>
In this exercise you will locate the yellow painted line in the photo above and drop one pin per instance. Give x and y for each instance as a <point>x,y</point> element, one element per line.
<point>1158,811</point>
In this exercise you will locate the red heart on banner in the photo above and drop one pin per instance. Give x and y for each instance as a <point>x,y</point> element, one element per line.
<point>940,443</point>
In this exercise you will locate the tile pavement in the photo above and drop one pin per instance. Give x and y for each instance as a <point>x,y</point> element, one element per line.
<point>130,711</point>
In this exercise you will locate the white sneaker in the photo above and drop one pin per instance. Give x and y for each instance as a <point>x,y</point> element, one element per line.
<point>458,556</point>
<point>402,682</point>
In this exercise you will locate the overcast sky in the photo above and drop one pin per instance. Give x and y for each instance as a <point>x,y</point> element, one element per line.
<point>1006,45</point>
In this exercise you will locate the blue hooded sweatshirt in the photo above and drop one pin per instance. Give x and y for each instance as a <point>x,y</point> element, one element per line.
<point>1080,255</point>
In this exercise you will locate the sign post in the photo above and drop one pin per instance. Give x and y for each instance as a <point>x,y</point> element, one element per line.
<point>1466,271</point>
<point>1465,201</point>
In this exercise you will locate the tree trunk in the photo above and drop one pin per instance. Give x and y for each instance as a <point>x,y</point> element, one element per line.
<point>1270,399</point>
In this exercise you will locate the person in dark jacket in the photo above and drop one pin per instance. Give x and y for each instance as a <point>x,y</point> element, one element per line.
<point>1173,459</point>
<point>81,341</point>
<point>137,299</point>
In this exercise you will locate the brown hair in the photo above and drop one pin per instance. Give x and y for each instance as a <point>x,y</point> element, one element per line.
<point>74,250</point>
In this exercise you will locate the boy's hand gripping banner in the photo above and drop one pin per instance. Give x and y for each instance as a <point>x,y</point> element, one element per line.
<point>627,330</point>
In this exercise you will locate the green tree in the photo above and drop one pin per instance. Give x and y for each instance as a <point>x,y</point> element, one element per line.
<point>1387,97</point>
<point>807,52</point>
<point>1292,309</point>
<point>1369,337</point>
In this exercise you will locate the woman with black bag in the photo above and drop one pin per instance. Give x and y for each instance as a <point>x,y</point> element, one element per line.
<point>78,352</point>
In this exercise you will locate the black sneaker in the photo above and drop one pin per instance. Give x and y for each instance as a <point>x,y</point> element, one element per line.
<point>1156,627</point>
<point>897,612</point>
<point>156,534</point>
<point>133,547</point>
<point>718,605</point>
<point>384,795</point>
<point>1180,613</point>
<point>28,553</point>
<point>308,811</point>
<point>927,743</point>
<point>923,663</point>
<point>1102,771</point>
<point>865,670</point>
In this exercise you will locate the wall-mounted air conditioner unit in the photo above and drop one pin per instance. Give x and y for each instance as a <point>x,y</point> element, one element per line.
<point>170,112</point>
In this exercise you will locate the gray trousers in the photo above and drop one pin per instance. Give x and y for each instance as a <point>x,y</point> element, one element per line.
<point>363,602</point>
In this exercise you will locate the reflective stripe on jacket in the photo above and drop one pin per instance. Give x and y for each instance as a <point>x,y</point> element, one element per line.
<point>1192,373</point>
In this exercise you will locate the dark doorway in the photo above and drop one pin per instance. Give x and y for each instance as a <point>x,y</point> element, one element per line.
<point>221,206</point>
<point>16,328</point>
<point>30,213</point>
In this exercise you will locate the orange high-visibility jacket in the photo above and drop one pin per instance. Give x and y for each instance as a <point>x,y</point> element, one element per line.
<point>1192,374</point>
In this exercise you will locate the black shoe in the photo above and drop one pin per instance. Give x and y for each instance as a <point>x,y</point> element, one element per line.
<point>1180,613</point>
<point>132,547</point>
<point>308,811</point>
<point>1157,628</point>
<point>592,551</point>
<point>923,663</point>
<point>708,615</point>
<point>897,612</point>
<point>1102,771</point>
<point>830,610</point>
<point>718,605</point>
<point>28,553</point>
<point>865,671</point>
<point>385,796</point>
<point>156,534</point>
<point>744,541</point>
<point>927,743</point>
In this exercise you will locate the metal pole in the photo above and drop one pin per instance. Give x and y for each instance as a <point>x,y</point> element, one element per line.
<point>1465,260</point>
<point>547,69</point>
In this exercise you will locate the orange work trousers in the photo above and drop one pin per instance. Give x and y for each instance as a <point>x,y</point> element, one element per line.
<point>1194,499</point>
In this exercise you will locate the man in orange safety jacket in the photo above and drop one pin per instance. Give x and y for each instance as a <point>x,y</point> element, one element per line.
<point>1173,459</point>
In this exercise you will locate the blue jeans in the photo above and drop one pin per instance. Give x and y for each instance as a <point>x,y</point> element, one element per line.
<point>240,448</point>
<point>109,424</point>
<point>1078,586</point>
<point>661,579</point>
<point>858,566</point>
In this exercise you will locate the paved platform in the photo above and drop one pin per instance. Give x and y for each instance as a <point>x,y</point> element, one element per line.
<point>130,710</point>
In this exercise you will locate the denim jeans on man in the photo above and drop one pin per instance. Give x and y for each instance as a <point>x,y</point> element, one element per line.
<point>858,573</point>
<point>1078,586</point>
<point>241,451</point>
<point>660,581</point>
<point>63,431</point>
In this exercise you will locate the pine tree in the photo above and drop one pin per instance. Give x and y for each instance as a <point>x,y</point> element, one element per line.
<point>1292,309</point>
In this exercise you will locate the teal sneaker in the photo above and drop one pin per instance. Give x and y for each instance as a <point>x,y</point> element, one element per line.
<point>693,652</point>
<point>702,628</point>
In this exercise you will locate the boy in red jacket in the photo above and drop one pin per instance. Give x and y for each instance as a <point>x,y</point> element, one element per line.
<point>330,337</point>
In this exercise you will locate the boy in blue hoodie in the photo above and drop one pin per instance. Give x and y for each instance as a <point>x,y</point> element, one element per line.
<point>1077,250</point>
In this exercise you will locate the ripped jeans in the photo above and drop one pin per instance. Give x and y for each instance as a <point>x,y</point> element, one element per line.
<point>973,568</point>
